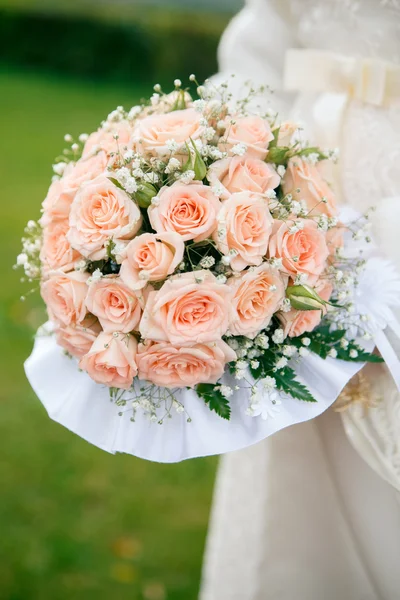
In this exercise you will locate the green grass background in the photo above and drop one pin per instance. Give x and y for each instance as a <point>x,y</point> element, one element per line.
<point>75,522</point>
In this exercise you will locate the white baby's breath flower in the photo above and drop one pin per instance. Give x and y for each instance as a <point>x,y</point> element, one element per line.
<point>199,105</point>
<point>221,278</point>
<point>173,165</point>
<point>151,177</point>
<point>276,263</point>
<point>233,343</point>
<point>172,145</point>
<point>289,351</point>
<point>306,341</point>
<point>96,276</point>
<point>217,190</point>
<point>187,177</point>
<point>128,156</point>
<point>130,185</point>
<point>122,175</point>
<point>215,153</point>
<point>22,259</point>
<point>59,168</point>
<point>278,336</point>
<point>301,279</point>
<point>134,112</point>
<point>353,353</point>
<point>281,363</point>
<point>207,262</point>
<point>239,149</point>
<point>225,390</point>
<point>209,133</point>
<point>80,265</point>
<point>297,226</point>
<point>332,353</point>
<point>262,341</point>
<point>281,170</point>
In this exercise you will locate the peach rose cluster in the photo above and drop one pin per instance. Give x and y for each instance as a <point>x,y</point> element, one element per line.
<point>163,239</point>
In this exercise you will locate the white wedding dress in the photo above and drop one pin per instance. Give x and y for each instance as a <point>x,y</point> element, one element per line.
<point>303,515</point>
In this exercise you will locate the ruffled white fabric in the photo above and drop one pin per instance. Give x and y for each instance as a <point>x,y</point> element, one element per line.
<point>73,399</point>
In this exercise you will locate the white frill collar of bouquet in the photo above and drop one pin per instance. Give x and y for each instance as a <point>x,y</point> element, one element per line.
<point>73,399</point>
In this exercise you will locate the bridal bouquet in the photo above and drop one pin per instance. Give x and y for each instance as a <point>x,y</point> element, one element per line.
<point>193,263</point>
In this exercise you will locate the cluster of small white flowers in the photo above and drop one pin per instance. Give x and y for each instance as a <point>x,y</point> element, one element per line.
<point>239,149</point>
<point>29,258</point>
<point>186,177</point>
<point>172,166</point>
<point>278,336</point>
<point>95,276</point>
<point>116,115</point>
<point>297,226</point>
<point>225,390</point>
<point>207,262</point>
<point>125,179</point>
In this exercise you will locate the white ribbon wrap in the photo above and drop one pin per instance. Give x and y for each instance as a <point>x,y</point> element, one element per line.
<point>73,399</point>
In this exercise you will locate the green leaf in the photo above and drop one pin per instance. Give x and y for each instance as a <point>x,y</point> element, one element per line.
<point>278,155</point>
<point>215,400</point>
<point>344,354</point>
<point>145,194</point>
<point>273,143</point>
<point>311,150</point>
<point>286,382</point>
<point>195,163</point>
<point>180,102</point>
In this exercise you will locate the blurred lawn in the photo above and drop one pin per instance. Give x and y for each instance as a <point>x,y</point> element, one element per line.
<point>75,522</point>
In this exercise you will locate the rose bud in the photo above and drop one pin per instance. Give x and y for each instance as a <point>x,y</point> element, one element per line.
<point>303,297</point>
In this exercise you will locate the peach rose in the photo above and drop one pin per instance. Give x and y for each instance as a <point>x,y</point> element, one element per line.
<point>253,131</point>
<point>57,204</point>
<point>56,252</point>
<point>114,304</point>
<point>243,174</point>
<point>302,252</point>
<point>190,210</point>
<point>112,360</point>
<point>104,139</point>
<point>305,182</point>
<point>78,339</point>
<point>100,212</point>
<point>258,293</point>
<point>85,170</point>
<point>335,238</point>
<point>189,308</point>
<point>183,366</point>
<point>64,295</point>
<point>244,225</point>
<point>286,132</point>
<point>297,322</point>
<point>151,257</point>
<point>150,135</point>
